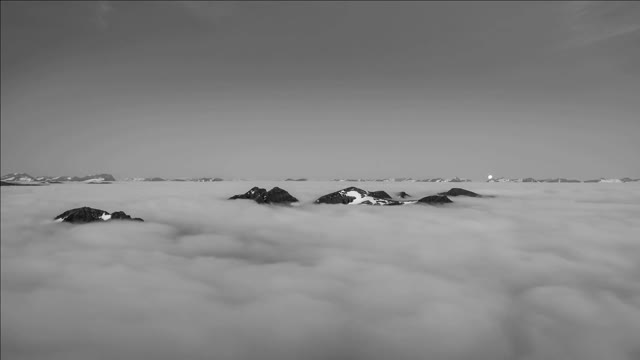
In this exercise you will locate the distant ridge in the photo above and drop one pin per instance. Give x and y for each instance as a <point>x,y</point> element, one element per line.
<point>562,180</point>
<point>18,177</point>
<point>203,179</point>
<point>105,178</point>
<point>455,179</point>
<point>26,178</point>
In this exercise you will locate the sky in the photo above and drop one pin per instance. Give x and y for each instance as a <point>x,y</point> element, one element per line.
<point>270,90</point>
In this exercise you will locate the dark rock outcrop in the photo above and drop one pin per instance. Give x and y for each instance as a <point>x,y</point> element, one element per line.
<point>354,195</point>
<point>403,194</point>
<point>276,196</point>
<point>262,196</point>
<point>339,197</point>
<point>85,215</point>
<point>435,199</point>
<point>460,192</point>
<point>252,194</point>
<point>380,194</point>
<point>120,215</point>
<point>99,177</point>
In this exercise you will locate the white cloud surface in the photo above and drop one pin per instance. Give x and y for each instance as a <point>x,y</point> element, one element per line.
<point>542,271</point>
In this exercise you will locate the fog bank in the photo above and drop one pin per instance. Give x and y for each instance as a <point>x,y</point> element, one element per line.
<point>541,271</point>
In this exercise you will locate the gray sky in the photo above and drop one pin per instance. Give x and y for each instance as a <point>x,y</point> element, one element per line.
<point>344,89</point>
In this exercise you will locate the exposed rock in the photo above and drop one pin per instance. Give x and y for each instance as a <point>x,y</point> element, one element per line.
<point>339,197</point>
<point>86,215</point>
<point>354,195</point>
<point>252,194</point>
<point>380,194</point>
<point>276,196</point>
<point>403,194</point>
<point>262,196</point>
<point>435,199</point>
<point>460,192</point>
<point>120,215</point>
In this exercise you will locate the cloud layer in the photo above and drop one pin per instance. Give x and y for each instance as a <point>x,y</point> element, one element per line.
<point>542,271</point>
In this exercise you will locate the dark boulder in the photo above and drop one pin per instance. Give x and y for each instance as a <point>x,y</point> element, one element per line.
<point>435,199</point>
<point>403,194</point>
<point>460,192</point>
<point>252,194</point>
<point>354,195</point>
<point>86,215</point>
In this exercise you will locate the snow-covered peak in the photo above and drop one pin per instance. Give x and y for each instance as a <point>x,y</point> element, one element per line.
<point>359,198</point>
<point>354,196</point>
<point>22,177</point>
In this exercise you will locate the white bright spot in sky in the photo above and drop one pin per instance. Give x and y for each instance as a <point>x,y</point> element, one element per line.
<point>490,177</point>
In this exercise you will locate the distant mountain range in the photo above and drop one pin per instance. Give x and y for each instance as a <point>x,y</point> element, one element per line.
<point>26,178</point>
<point>202,179</point>
<point>562,180</point>
<point>22,178</point>
<point>455,179</point>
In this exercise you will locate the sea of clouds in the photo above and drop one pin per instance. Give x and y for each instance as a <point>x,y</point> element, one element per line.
<point>540,272</point>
